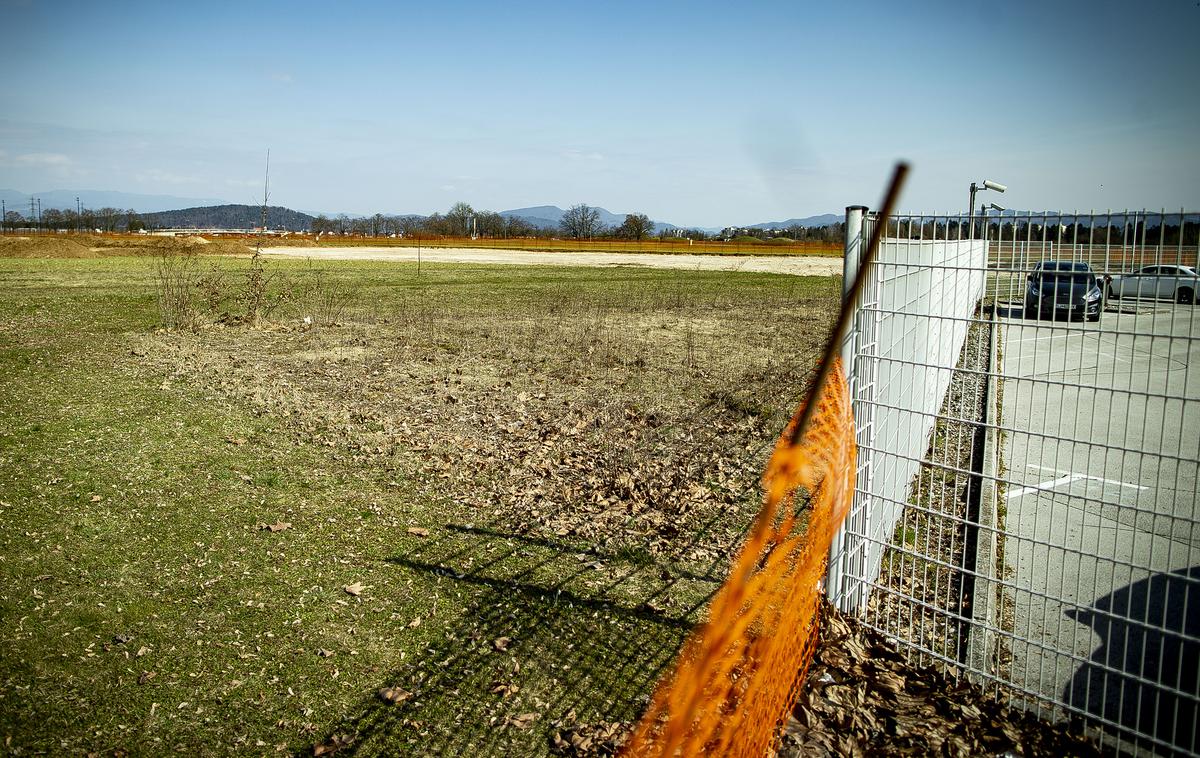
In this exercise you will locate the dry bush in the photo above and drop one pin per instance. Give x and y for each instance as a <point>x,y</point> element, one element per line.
<point>176,276</point>
<point>325,299</point>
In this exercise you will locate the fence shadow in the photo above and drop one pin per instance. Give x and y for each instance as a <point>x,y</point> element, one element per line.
<point>1145,676</point>
<point>551,636</point>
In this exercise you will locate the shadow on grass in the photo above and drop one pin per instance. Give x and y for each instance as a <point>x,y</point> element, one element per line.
<point>547,637</point>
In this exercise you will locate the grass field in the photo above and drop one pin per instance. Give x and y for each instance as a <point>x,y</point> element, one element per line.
<point>503,492</point>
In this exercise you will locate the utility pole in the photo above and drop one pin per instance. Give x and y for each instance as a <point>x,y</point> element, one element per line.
<point>3,216</point>
<point>78,214</point>
<point>39,221</point>
<point>32,215</point>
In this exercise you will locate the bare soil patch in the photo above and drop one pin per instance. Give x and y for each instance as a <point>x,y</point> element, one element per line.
<point>809,265</point>
<point>100,246</point>
<point>635,422</point>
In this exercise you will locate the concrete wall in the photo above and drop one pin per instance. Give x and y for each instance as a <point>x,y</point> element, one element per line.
<point>910,327</point>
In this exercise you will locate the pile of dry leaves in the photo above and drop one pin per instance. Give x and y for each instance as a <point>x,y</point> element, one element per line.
<point>861,697</point>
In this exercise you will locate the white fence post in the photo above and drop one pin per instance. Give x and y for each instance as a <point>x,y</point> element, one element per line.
<point>834,584</point>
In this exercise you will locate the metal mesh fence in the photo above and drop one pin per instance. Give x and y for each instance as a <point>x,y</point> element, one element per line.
<point>1025,392</point>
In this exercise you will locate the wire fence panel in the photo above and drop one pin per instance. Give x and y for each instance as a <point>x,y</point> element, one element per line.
<point>1028,414</point>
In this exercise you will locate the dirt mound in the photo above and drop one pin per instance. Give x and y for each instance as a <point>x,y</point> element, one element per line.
<point>44,247</point>
<point>95,246</point>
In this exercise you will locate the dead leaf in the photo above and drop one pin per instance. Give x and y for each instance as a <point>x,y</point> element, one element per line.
<point>239,441</point>
<point>414,623</point>
<point>146,676</point>
<point>121,639</point>
<point>331,745</point>
<point>278,526</point>
<point>505,689</point>
<point>501,643</point>
<point>394,695</point>
<point>324,653</point>
<point>96,498</point>
<point>417,531</point>
<point>355,589</point>
<point>142,651</point>
<point>523,721</point>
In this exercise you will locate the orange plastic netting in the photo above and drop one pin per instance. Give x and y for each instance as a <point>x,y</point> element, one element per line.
<point>738,675</point>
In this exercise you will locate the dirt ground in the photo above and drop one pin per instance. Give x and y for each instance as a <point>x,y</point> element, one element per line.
<point>103,246</point>
<point>634,420</point>
<point>796,266</point>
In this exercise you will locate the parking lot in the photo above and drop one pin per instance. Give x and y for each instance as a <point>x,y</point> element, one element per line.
<point>1100,442</point>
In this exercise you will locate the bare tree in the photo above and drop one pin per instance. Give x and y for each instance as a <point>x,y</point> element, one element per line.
<point>581,222</point>
<point>409,225</point>
<point>458,219</point>
<point>322,224</point>
<point>515,226</point>
<point>489,224</point>
<point>637,226</point>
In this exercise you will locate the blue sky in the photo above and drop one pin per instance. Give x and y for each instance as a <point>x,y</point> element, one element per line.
<point>695,113</point>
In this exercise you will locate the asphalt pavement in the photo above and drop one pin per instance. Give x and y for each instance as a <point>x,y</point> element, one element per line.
<point>1101,436</point>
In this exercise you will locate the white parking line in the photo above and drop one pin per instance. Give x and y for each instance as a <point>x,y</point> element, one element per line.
<point>1053,483</point>
<point>1064,480</point>
<point>1047,337</point>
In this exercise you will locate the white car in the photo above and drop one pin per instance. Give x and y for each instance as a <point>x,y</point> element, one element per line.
<point>1160,282</point>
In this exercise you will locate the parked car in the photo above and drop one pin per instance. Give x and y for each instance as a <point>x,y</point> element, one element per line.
<point>1063,289</point>
<point>1159,282</point>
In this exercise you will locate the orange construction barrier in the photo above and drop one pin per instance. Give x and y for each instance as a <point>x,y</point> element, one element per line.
<point>738,674</point>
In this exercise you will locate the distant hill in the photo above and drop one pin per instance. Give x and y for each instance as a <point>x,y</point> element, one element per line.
<point>549,216</point>
<point>64,199</point>
<point>825,219</point>
<point>228,217</point>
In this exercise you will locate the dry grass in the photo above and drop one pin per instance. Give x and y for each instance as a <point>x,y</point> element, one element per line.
<point>530,473</point>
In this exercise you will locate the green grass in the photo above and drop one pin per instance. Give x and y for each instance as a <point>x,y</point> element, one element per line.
<point>145,610</point>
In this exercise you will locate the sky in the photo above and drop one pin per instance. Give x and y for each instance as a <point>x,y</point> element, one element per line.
<point>696,113</point>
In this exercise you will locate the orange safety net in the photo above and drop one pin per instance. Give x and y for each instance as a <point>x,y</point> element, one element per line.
<point>738,675</point>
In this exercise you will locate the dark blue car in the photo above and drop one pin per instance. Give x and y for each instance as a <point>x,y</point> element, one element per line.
<point>1063,289</point>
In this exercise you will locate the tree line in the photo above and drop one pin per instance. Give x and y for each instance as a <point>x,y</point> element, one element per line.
<point>580,222</point>
<point>84,220</point>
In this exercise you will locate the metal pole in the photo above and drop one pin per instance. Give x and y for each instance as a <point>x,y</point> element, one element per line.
<point>850,263</point>
<point>971,213</point>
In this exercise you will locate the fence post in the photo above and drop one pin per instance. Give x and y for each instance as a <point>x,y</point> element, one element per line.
<point>834,582</point>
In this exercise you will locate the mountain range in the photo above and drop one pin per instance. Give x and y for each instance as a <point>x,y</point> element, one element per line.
<point>173,211</point>
<point>825,219</point>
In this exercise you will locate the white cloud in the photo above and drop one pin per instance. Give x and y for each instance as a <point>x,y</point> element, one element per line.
<point>47,160</point>
<point>46,164</point>
<point>158,176</point>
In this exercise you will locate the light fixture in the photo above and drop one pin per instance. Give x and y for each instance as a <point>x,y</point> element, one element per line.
<point>987,184</point>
